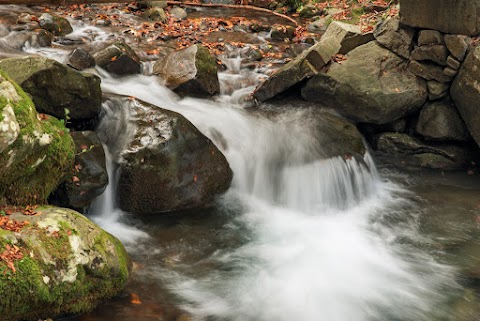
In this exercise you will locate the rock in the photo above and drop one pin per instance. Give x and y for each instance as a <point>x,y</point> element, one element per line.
<point>168,165</point>
<point>281,32</point>
<point>319,25</point>
<point>17,41</point>
<point>57,25</point>
<point>179,13</point>
<point>371,86</point>
<point>89,176</point>
<point>430,37</point>
<point>437,89</point>
<point>465,92</point>
<point>158,4</point>
<point>428,71</point>
<point>65,265</point>
<point>447,16</point>
<point>435,53</point>
<point>404,150</point>
<point>339,38</point>
<point>35,152</point>
<point>155,14</point>
<point>191,71</point>
<point>119,59</point>
<point>57,89</point>
<point>453,63</point>
<point>392,36</point>
<point>308,10</point>
<point>450,72</point>
<point>441,121</point>
<point>458,45</point>
<point>80,59</point>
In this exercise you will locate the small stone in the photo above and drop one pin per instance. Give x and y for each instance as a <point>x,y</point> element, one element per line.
<point>430,37</point>
<point>179,13</point>
<point>435,53</point>
<point>458,45</point>
<point>428,71</point>
<point>25,18</point>
<point>453,63</point>
<point>80,59</point>
<point>450,72</point>
<point>437,90</point>
<point>155,14</point>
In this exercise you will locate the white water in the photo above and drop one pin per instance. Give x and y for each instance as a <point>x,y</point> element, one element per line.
<point>318,247</point>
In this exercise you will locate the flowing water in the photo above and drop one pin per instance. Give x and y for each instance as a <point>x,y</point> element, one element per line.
<point>297,237</point>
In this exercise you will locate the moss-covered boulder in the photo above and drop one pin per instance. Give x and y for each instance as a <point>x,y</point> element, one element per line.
<point>189,72</point>
<point>56,89</point>
<point>35,152</point>
<point>168,164</point>
<point>59,263</point>
<point>57,25</point>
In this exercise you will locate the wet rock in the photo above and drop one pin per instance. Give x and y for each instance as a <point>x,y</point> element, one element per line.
<point>118,58</point>
<point>372,86</point>
<point>89,176</point>
<point>441,121</point>
<point>404,150</point>
<point>179,13</point>
<point>168,164</point>
<point>35,152</point>
<point>20,40</point>
<point>57,89</point>
<point>437,90</point>
<point>189,72</point>
<point>390,34</point>
<point>428,71</point>
<point>458,45</point>
<point>57,25</point>
<point>25,18</point>
<point>465,92</point>
<point>339,38</point>
<point>156,14</point>
<point>434,53</point>
<point>458,16</point>
<point>80,59</point>
<point>66,258</point>
<point>430,37</point>
<point>280,32</point>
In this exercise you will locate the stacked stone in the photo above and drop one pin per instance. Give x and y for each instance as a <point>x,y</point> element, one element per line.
<point>437,58</point>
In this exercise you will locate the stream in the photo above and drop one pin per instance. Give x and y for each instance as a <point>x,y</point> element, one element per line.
<point>317,240</point>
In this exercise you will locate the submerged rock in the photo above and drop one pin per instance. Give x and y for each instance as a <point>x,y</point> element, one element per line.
<point>56,89</point>
<point>64,264</point>
<point>35,152</point>
<point>168,165</point>
<point>372,86</point>
<point>191,71</point>
<point>118,58</point>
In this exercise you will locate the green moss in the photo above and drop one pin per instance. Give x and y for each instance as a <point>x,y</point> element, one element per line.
<point>204,61</point>
<point>29,172</point>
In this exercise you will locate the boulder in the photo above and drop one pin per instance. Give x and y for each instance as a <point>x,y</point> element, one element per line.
<point>62,264</point>
<point>465,92</point>
<point>456,17</point>
<point>441,121</point>
<point>458,45</point>
<point>118,58</point>
<point>281,32</point>
<point>430,37</point>
<point>429,71</point>
<point>57,89</point>
<point>156,14</point>
<point>404,150</point>
<point>80,59</point>
<point>339,38</point>
<point>89,176</point>
<point>191,71</point>
<point>57,25</point>
<point>178,13</point>
<point>434,53</point>
<point>168,165</point>
<point>372,86</point>
<point>437,90</point>
<point>390,34</point>
<point>35,152</point>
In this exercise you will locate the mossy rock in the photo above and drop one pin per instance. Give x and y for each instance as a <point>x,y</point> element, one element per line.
<point>35,152</point>
<point>68,265</point>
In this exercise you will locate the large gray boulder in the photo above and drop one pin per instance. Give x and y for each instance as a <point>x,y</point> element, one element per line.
<point>455,17</point>
<point>371,86</point>
<point>57,262</point>
<point>35,152</point>
<point>441,121</point>
<point>404,150</point>
<point>340,38</point>
<point>56,89</point>
<point>189,72</point>
<point>465,92</point>
<point>168,165</point>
